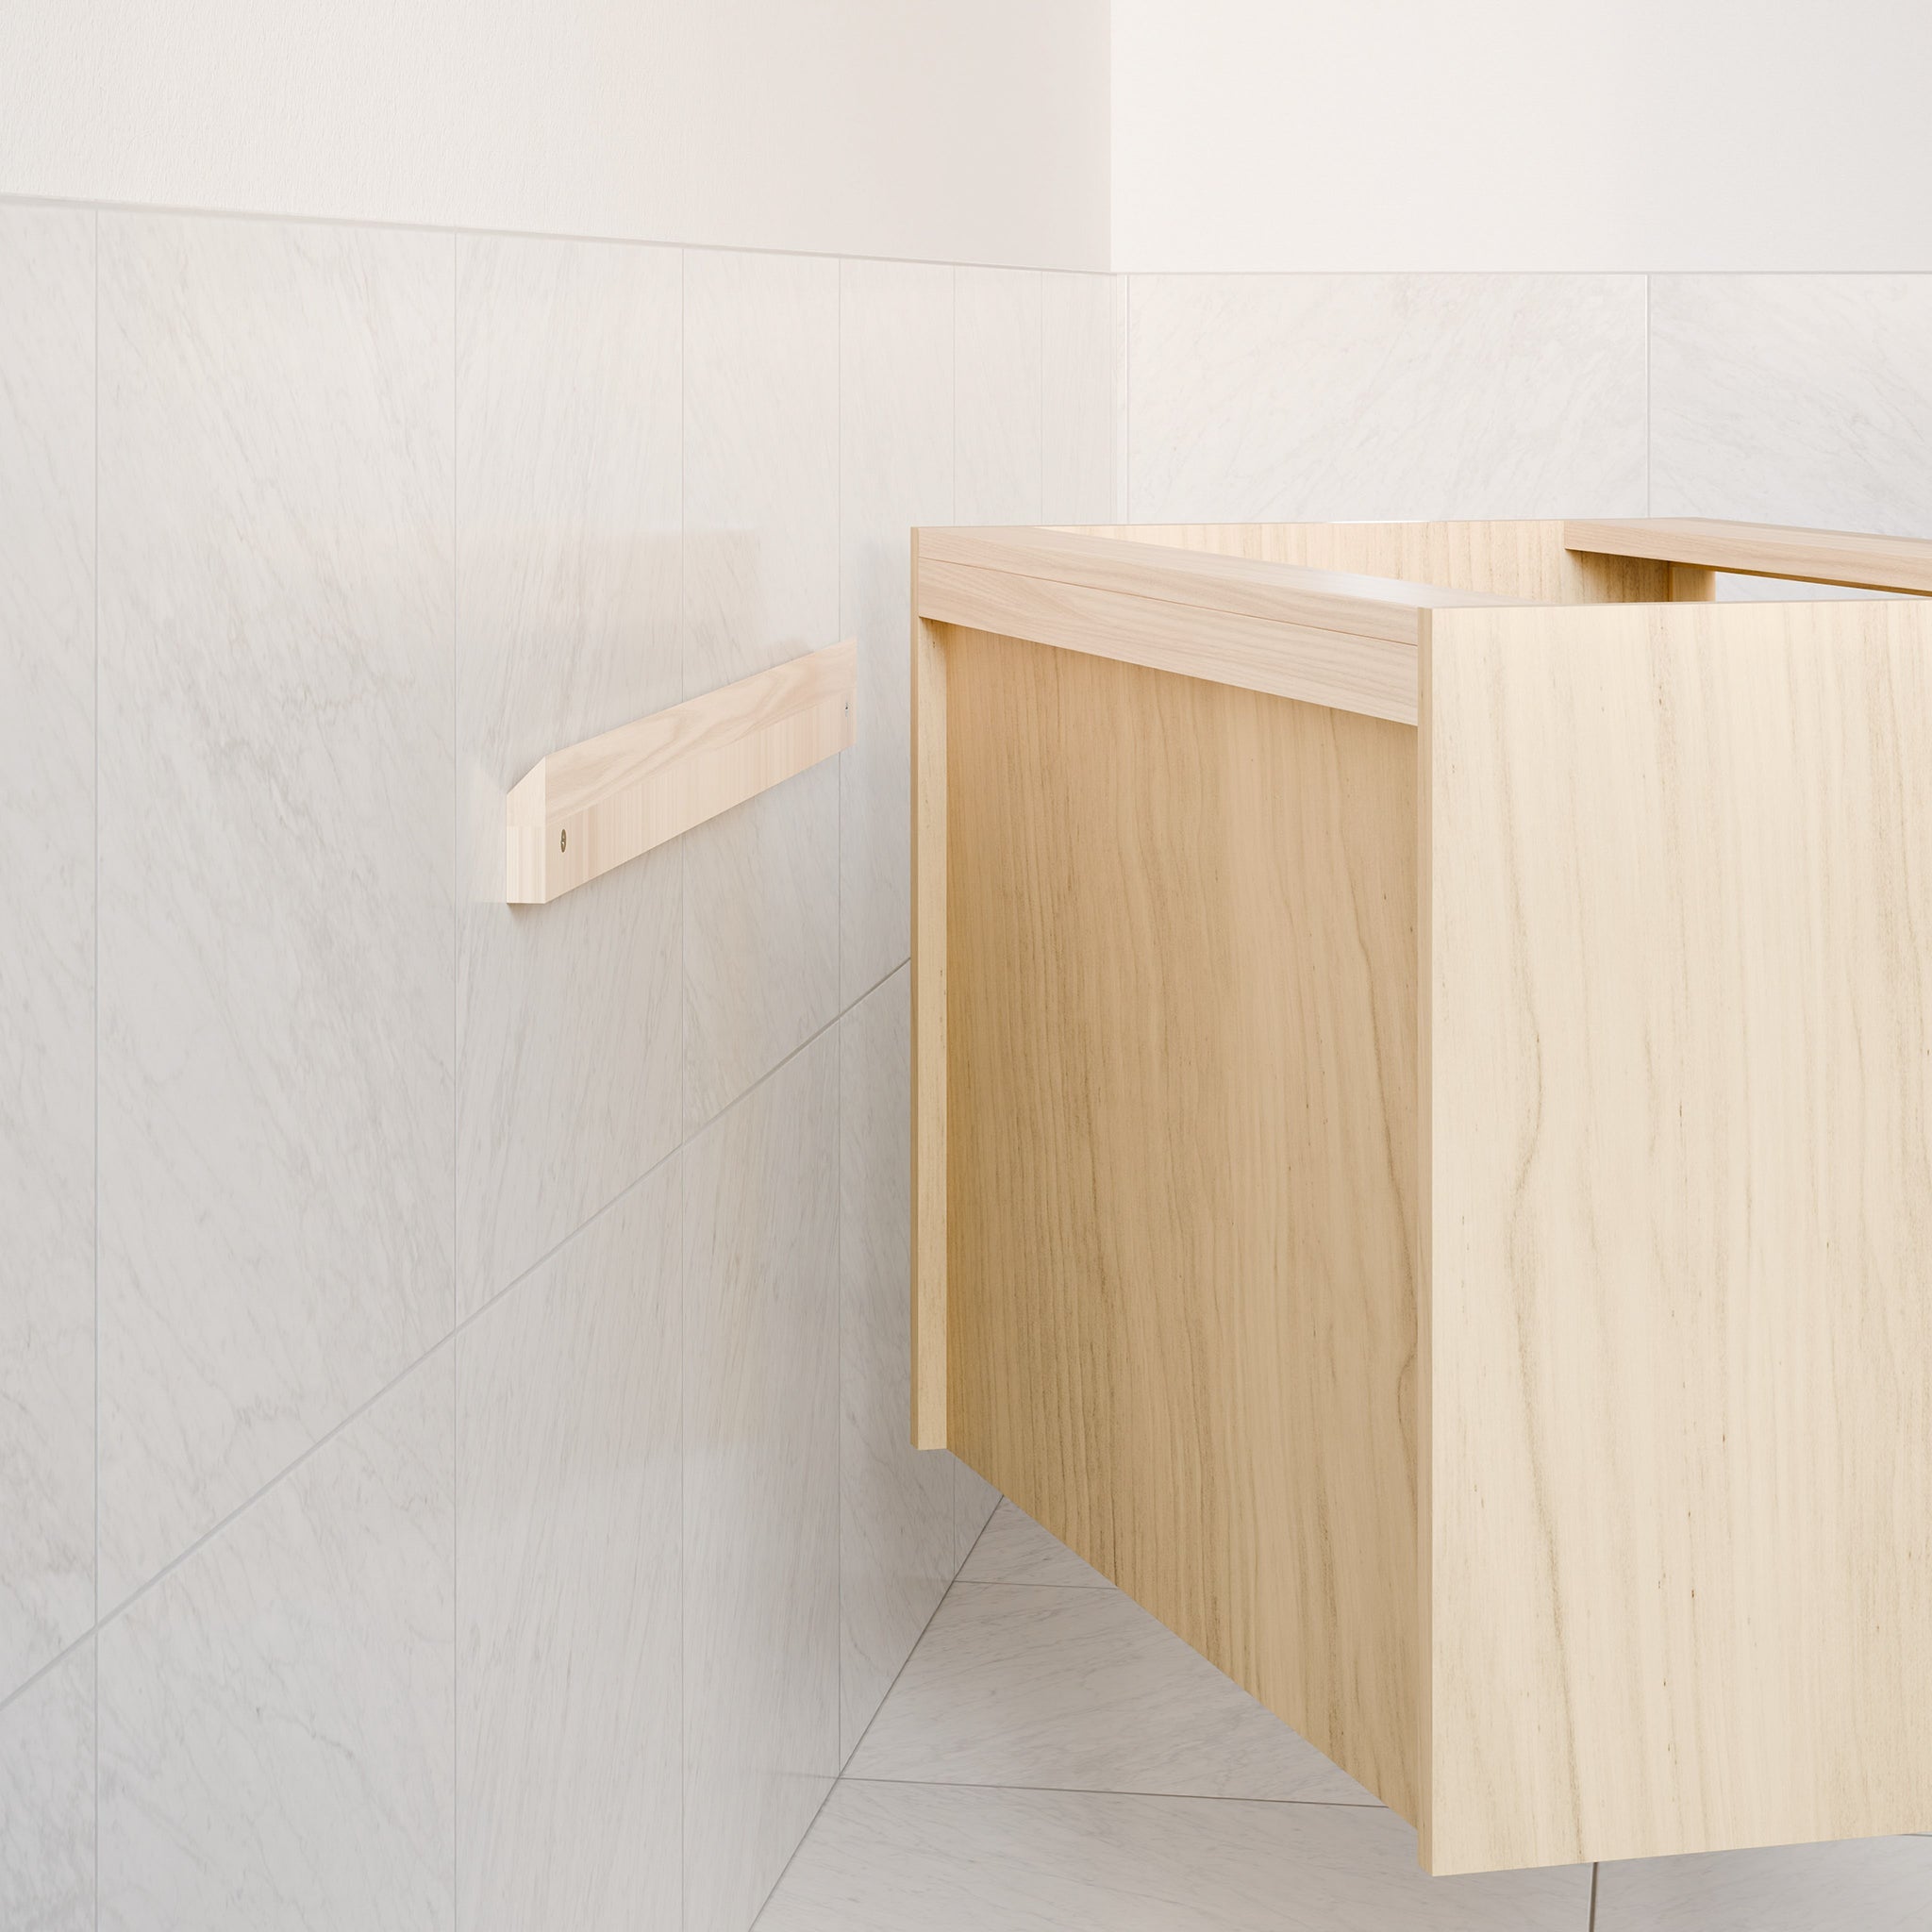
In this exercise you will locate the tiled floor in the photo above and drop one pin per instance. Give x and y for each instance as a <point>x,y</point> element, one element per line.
<point>1052,1760</point>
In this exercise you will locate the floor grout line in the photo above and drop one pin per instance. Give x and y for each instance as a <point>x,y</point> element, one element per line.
<point>956,1784</point>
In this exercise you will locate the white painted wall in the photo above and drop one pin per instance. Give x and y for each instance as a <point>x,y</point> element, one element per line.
<point>1521,134</point>
<point>971,131</point>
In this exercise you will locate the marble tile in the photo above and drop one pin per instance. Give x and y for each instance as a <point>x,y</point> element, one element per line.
<point>569,1772</point>
<point>47,1799</point>
<point>760,585</point>
<point>1081,1688</point>
<point>276,834</point>
<point>1076,398</point>
<point>760,1484</point>
<point>1329,396</point>
<point>895,1536</point>
<point>1792,399</point>
<point>974,1500</point>
<point>276,1713</point>
<point>1876,1885</point>
<point>887,1858</point>
<point>569,411</point>
<point>895,470</point>
<point>997,404</point>
<point>46,934</point>
<point>1014,1549</point>
<point>1122,287</point>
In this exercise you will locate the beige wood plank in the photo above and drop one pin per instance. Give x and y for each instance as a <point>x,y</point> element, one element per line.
<point>1770,550</point>
<point>580,811</point>
<point>1181,1135</point>
<point>1679,1335</point>
<point>1359,603</point>
<point>1692,584</point>
<point>1352,672</point>
<point>929,1048</point>
<point>1523,559</point>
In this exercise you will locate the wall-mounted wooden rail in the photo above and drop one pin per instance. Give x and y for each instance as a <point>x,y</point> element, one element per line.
<point>583,810</point>
<point>1846,558</point>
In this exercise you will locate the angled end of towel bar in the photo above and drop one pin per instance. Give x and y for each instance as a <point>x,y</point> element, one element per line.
<point>584,810</point>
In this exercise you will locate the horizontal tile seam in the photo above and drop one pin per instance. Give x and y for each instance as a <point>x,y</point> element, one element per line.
<point>589,237</point>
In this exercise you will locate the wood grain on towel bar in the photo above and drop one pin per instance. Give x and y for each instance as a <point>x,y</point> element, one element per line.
<point>583,810</point>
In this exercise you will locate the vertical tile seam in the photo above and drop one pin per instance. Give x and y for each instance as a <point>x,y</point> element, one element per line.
<point>684,1125</point>
<point>1647,511</point>
<point>839,1093</point>
<point>95,1632</point>
<point>455,916</point>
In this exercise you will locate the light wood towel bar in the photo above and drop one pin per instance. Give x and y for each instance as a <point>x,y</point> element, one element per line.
<point>584,809</point>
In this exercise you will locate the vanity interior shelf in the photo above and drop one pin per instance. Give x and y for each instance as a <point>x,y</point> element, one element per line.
<point>581,811</point>
<point>1422,1120</point>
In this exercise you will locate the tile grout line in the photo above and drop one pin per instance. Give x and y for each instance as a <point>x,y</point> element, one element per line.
<point>838,1096</point>
<point>951,1784</point>
<point>840,1776</point>
<point>683,1076</point>
<point>455,710</point>
<point>95,1634</point>
<point>183,210</point>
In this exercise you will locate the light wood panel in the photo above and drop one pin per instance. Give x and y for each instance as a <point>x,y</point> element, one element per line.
<point>582,810</point>
<point>1679,1340</point>
<point>1352,672</point>
<point>1180,1007</point>
<point>1771,550</point>
<point>928,1284</point>
<point>1525,560</point>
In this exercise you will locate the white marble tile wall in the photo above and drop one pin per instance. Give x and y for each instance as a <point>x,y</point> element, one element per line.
<point>568,1583</point>
<point>277,1713</point>
<point>761,1480</point>
<point>896,1549</point>
<point>276,777</point>
<point>47,1799</point>
<point>46,935</point>
<point>760,585</point>
<point>895,470</point>
<point>998,389</point>
<point>569,500</point>
<point>548,1620</point>
<point>1270,398</point>
<point>1794,399</point>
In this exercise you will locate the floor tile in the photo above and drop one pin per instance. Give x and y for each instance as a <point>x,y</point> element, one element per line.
<point>937,1859</point>
<point>1014,1549</point>
<point>1864,1885</point>
<point>1080,1688</point>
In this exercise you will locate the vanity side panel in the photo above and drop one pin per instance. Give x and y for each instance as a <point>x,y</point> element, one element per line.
<point>1505,558</point>
<point>1680,1230</point>
<point>1181,1011</point>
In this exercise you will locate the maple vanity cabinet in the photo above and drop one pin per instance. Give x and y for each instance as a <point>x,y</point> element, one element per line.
<point>1422,1142</point>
